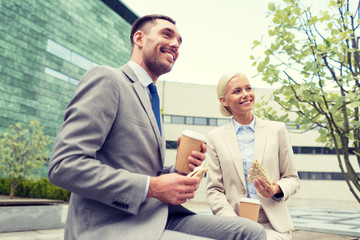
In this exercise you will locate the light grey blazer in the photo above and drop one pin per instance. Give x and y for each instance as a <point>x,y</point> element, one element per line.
<point>226,177</point>
<point>107,146</point>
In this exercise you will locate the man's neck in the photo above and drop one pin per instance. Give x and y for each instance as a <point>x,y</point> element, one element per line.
<point>143,65</point>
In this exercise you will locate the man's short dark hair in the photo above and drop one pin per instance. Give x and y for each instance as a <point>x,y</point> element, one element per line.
<point>141,22</point>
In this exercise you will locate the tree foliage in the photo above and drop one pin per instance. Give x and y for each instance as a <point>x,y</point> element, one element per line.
<point>22,151</point>
<point>316,62</point>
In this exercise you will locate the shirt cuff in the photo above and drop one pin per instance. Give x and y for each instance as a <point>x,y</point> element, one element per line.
<point>278,196</point>
<point>146,188</point>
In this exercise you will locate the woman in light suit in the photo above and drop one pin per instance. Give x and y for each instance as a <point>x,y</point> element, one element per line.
<point>233,147</point>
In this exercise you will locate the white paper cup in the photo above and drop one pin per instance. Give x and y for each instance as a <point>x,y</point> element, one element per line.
<point>190,141</point>
<point>249,208</point>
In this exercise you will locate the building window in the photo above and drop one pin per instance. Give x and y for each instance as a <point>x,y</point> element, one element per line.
<point>189,120</point>
<point>222,121</point>
<point>316,175</point>
<point>56,74</point>
<point>327,176</point>
<point>58,50</point>
<point>178,119</point>
<point>318,150</point>
<point>171,144</point>
<point>167,118</point>
<point>304,175</point>
<point>337,176</point>
<point>61,76</point>
<point>321,176</point>
<point>200,121</point>
<point>81,61</point>
<point>69,55</point>
<point>212,122</point>
<point>73,81</point>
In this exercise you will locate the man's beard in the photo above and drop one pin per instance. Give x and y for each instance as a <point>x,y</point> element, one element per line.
<point>156,66</point>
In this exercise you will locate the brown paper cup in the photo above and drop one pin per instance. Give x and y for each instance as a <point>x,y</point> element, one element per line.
<point>249,208</point>
<point>190,141</point>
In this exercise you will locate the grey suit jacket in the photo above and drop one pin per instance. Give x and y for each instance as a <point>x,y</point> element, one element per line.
<point>226,177</point>
<point>107,146</point>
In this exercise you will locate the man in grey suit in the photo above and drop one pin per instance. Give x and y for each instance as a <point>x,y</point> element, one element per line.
<point>109,153</point>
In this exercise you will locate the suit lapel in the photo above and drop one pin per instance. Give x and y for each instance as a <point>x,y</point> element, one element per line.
<point>260,139</point>
<point>144,100</point>
<point>233,148</point>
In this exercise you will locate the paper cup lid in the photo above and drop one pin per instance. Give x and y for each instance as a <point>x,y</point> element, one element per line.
<point>250,200</point>
<point>194,135</point>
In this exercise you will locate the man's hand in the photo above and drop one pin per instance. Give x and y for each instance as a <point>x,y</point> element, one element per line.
<point>173,188</point>
<point>196,158</point>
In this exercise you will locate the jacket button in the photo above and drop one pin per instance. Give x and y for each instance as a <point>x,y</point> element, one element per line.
<point>243,191</point>
<point>158,173</point>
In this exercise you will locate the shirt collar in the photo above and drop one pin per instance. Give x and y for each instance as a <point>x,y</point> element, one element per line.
<point>238,125</point>
<point>143,77</point>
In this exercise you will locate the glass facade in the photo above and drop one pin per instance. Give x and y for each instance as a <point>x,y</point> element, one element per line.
<point>47,47</point>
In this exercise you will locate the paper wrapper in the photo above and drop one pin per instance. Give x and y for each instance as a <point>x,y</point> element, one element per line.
<point>199,171</point>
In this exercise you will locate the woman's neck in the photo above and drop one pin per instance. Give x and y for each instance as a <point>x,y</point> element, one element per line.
<point>244,119</point>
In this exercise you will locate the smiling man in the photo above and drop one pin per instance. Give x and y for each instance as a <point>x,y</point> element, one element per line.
<point>110,150</point>
<point>155,47</point>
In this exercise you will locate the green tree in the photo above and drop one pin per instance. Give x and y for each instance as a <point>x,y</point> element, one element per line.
<point>315,61</point>
<point>22,151</point>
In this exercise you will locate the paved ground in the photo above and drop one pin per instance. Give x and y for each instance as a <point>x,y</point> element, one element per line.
<point>310,224</point>
<point>341,222</point>
<point>306,235</point>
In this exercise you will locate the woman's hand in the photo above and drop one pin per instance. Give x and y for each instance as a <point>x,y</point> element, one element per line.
<point>265,189</point>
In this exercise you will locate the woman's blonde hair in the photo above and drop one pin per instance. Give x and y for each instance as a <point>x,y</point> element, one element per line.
<point>221,90</point>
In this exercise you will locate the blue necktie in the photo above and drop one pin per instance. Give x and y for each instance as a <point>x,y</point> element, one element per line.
<point>155,103</point>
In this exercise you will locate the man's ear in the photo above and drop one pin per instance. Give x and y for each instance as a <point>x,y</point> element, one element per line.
<point>139,38</point>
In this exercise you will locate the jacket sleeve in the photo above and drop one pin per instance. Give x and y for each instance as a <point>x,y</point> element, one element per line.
<point>215,187</point>
<point>75,164</point>
<point>289,180</point>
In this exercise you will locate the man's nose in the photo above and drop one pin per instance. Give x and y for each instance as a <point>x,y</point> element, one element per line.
<point>175,44</point>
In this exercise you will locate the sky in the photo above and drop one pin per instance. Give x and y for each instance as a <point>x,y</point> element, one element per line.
<point>217,36</point>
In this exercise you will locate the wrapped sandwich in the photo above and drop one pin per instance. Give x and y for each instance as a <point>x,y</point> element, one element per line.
<point>199,171</point>
<point>257,171</point>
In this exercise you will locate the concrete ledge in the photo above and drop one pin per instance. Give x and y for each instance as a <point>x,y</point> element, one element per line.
<point>27,201</point>
<point>25,217</point>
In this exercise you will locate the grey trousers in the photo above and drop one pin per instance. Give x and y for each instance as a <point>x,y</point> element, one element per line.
<point>212,227</point>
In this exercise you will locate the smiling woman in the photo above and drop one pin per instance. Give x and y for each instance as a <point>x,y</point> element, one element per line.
<point>238,97</point>
<point>232,150</point>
